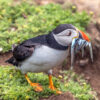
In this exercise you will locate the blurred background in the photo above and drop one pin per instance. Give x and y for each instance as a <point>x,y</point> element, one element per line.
<point>24,19</point>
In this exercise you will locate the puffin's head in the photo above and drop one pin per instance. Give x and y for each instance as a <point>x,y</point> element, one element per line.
<point>68,35</point>
<point>65,33</point>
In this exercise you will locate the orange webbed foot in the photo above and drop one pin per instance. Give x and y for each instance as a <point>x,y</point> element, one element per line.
<point>51,86</point>
<point>37,87</point>
<point>55,89</point>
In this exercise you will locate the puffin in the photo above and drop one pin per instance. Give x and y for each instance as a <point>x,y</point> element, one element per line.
<point>44,52</point>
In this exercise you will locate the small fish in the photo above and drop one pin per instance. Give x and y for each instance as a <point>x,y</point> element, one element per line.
<point>77,45</point>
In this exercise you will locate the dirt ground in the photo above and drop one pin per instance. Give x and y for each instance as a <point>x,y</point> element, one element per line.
<point>64,96</point>
<point>4,57</point>
<point>91,71</point>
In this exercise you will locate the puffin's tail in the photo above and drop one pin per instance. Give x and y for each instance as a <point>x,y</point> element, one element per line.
<point>12,61</point>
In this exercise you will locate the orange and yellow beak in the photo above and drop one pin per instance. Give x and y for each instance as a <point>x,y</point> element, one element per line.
<point>84,36</point>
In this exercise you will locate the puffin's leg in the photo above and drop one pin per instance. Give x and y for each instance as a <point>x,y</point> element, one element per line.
<point>35,85</point>
<point>51,85</point>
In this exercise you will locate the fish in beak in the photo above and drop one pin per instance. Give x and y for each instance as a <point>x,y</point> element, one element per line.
<point>79,43</point>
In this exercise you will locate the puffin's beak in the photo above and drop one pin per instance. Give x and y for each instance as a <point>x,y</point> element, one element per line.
<point>78,44</point>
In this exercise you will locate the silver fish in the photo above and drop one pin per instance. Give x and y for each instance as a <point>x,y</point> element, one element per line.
<point>77,45</point>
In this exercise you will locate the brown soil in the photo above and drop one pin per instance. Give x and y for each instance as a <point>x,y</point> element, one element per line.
<point>64,96</point>
<point>4,57</point>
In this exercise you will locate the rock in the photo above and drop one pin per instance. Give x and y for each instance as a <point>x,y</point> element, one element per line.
<point>83,62</point>
<point>87,78</point>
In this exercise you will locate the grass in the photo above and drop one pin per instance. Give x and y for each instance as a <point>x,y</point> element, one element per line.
<point>26,20</point>
<point>23,21</point>
<point>13,85</point>
<point>78,86</point>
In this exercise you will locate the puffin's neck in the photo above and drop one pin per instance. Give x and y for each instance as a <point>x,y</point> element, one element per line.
<point>53,43</point>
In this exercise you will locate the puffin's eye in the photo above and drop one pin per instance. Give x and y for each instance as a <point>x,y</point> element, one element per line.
<point>69,34</point>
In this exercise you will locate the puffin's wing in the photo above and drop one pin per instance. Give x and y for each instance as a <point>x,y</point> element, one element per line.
<point>23,51</point>
<point>20,53</point>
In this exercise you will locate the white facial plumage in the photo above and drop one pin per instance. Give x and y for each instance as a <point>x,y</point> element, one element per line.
<point>65,37</point>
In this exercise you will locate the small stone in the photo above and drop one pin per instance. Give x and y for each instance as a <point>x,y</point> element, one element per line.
<point>83,62</point>
<point>87,78</point>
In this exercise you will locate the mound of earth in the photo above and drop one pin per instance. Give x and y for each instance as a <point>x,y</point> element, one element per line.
<point>64,96</point>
